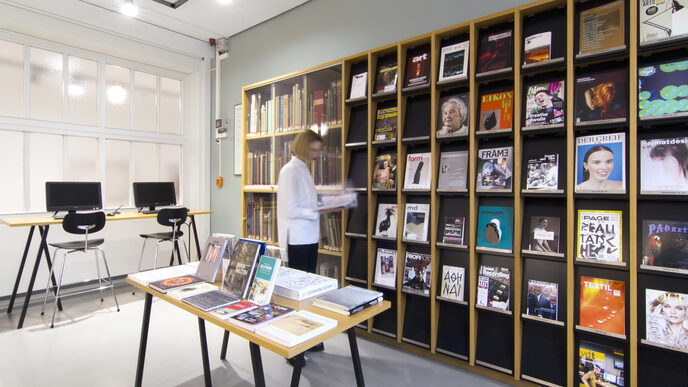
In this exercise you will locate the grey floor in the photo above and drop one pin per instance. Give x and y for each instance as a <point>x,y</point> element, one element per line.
<point>93,345</point>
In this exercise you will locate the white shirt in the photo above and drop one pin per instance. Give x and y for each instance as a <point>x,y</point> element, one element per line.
<point>298,219</point>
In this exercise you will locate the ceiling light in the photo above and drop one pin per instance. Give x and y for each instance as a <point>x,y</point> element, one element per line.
<point>117,95</point>
<point>129,8</point>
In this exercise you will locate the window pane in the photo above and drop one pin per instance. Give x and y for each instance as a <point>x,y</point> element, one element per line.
<point>11,79</point>
<point>117,185</point>
<point>45,164</point>
<point>47,93</point>
<point>145,161</point>
<point>170,161</point>
<point>170,105</point>
<point>81,159</point>
<point>82,91</point>
<point>12,176</point>
<point>117,97</point>
<point>145,101</point>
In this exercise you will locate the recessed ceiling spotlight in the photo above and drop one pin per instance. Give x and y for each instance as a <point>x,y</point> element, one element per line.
<point>129,8</point>
<point>224,1</point>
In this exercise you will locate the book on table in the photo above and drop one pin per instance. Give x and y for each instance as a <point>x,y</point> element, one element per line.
<point>233,309</point>
<point>163,286</point>
<point>299,285</point>
<point>241,267</point>
<point>191,290</point>
<point>296,328</point>
<point>348,300</point>
<point>210,300</point>
<point>148,276</point>
<point>262,314</point>
<point>264,280</point>
<point>211,259</point>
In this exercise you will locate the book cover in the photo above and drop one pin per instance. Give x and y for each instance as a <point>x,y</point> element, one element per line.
<point>601,163</point>
<point>386,124</point>
<point>543,299</point>
<point>537,48</point>
<point>359,85</point>
<point>299,285</point>
<point>148,276</point>
<point>666,322</point>
<point>190,290</point>
<point>664,166</point>
<point>494,169</point>
<point>600,364</point>
<point>601,96</point>
<point>416,221</point>
<point>386,78</point>
<point>495,51</point>
<point>453,230</point>
<point>387,217</point>
<point>661,20</point>
<point>661,89</point>
<point>165,285</point>
<point>494,287</point>
<point>544,235</point>
<point>453,171</point>
<point>602,27</point>
<point>386,268</point>
<point>454,61</point>
<point>348,300</point>
<point>417,273</point>
<point>264,280</point>
<point>260,315</point>
<point>208,301</point>
<point>665,245</point>
<point>418,170</point>
<point>453,116</point>
<point>599,235</point>
<point>233,309</point>
<point>385,171</point>
<point>240,269</point>
<point>496,111</point>
<point>495,228</point>
<point>418,69</point>
<point>453,281</point>
<point>296,328</point>
<point>545,104</point>
<point>543,173</point>
<point>603,305</point>
<point>215,248</point>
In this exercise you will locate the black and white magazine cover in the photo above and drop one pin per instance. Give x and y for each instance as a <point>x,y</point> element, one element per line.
<point>543,173</point>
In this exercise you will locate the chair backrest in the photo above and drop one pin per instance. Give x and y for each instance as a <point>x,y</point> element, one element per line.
<point>172,216</point>
<point>85,222</point>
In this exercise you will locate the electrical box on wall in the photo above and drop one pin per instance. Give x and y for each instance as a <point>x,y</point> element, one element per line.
<point>221,128</point>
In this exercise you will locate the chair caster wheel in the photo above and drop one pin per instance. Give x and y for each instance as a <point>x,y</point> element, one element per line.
<point>51,326</point>
<point>42,313</point>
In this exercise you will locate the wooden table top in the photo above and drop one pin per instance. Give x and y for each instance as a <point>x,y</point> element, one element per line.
<point>43,220</point>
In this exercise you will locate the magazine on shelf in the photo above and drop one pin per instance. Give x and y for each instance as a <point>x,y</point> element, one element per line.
<point>453,281</point>
<point>543,299</point>
<point>661,89</point>
<point>537,48</point>
<point>603,305</point>
<point>544,235</point>
<point>542,173</point>
<point>454,61</point>
<point>601,363</point>
<point>233,309</point>
<point>417,273</point>
<point>601,96</point>
<point>299,285</point>
<point>494,169</point>
<point>602,28</point>
<point>207,301</point>
<point>665,245</point>
<point>662,20</point>
<point>453,171</point>
<point>359,85</point>
<point>545,104</point>
<point>494,287</point>
<point>215,248</point>
<point>261,315</point>
<point>601,163</point>
<point>296,328</point>
<point>387,217</point>
<point>599,235</point>
<point>386,78</point>
<point>666,322</point>
<point>386,124</point>
<point>453,230</point>
<point>418,69</point>
<point>418,171</point>
<point>241,267</point>
<point>385,171</point>
<point>496,111</point>
<point>664,166</point>
<point>495,51</point>
<point>163,286</point>
<point>495,228</point>
<point>348,300</point>
<point>416,221</point>
<point>264,279</point>
<point>453,115</point>
<point>386,268</point>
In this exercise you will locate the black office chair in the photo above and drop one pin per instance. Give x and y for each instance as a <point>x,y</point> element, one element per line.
<point>80,224</point>
<point>170,217</point>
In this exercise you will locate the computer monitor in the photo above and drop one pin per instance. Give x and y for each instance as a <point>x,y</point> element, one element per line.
<point>72,196</point>
<point>152,194</point>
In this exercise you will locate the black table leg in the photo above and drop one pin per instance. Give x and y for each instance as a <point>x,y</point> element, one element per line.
<point>298,362</point>
<point>198,246</point>
<point>44,245</point>
<point>204,353</point>
<point>355,357</point>
<point>21,269</point>
<point>225,342</point>
<point>43,231</point>
<point>144,339</point>
<point>179,256</point>
<point>258,376</point>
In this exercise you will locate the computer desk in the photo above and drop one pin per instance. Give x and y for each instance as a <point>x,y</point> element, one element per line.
<point>43,223</point>
<point>344,324</point>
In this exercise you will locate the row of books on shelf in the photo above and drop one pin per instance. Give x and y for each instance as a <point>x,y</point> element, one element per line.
<point>331,231</point>
<point>261,217</point>
<point>325,106</point>
<point>327,168</point>
<point>259,167</point>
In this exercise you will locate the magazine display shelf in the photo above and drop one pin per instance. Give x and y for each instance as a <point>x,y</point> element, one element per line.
<point>513,346</point>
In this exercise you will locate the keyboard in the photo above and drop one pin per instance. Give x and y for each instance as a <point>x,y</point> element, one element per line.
<point>210,300</point>
<point>150,211</point>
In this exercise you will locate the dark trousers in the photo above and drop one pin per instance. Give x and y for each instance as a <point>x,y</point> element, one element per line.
<point>303,257</point>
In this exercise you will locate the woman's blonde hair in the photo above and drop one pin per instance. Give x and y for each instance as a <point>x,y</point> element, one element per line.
<point>302,143</point>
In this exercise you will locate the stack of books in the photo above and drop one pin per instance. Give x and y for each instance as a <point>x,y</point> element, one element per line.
<point>299,285</point>
<point>348,300</point>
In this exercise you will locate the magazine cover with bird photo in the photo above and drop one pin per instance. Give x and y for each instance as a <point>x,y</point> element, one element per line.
<point>387,218</point>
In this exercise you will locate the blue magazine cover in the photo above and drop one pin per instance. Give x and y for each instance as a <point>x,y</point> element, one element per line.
<point>495,228</point>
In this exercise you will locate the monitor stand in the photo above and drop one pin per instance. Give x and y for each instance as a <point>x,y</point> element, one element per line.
<point>61,215</point>
<point>150,210</point>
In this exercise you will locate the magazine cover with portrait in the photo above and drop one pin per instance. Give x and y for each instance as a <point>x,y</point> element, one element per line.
<point>545,104</point>
<point>453,115</point>
<point>666,318</point>
<point>417,273</point>
<point>602,96</point>
<point>495,228</point>
<point>665,246</point>
<point>603,305</point>
<point>494,169</point>
<point>543,299</point>
<point>600,365</point>
<point>601,163</point>
<point>385,171</point>
<point>386,268</point>
<point>664,166</point>
<point>544,235</point>
<point>662,90</point>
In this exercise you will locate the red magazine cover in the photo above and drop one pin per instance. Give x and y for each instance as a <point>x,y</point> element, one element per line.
<point>603,305</point>
<point>496,111</point>
<point>417,69</point>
